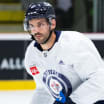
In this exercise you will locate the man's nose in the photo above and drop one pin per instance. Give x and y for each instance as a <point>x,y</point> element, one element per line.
<point>36,29</point>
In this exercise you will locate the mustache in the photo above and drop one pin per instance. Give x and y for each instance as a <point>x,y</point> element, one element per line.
<point>38,34</point>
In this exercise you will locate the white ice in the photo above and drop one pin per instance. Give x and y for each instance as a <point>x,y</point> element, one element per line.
<point>16,97</point>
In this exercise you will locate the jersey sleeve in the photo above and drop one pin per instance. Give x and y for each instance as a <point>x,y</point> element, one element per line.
<point>26,63</point>
<point>28,58</point>
<point>41,95</point>
<point>89,67</point>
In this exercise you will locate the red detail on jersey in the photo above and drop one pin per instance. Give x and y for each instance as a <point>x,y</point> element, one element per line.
<point>34,70</point>
<point>55,86</point>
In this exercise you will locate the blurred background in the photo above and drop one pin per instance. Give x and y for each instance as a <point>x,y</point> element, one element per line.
<point>79,15</point>
<point>85,16</point>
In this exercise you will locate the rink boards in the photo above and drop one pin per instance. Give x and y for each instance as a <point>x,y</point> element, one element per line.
<point>13,75</point>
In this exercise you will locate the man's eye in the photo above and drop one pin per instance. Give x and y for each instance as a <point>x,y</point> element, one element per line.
<point>31,26</point>
<point>40,24</point>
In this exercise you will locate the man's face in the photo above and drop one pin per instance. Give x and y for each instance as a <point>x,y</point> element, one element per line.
<point>40,29</point>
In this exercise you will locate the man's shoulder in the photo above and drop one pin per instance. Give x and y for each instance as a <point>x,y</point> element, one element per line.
<point>73,39</point>
<point>30,47</point>
<point>31,44</point>
<point>71,36</point>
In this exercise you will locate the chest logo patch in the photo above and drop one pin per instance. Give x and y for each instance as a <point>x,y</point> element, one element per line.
<point>56,83</point>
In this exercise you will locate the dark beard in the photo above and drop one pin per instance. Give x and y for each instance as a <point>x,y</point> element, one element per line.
<point>32,37</point>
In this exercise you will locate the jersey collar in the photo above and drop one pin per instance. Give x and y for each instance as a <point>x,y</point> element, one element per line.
<point>58,33</point>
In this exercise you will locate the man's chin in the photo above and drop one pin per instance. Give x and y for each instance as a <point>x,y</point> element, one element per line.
<point>40,42</point>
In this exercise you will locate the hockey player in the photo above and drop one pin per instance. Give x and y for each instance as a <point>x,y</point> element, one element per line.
<point>65,65</point>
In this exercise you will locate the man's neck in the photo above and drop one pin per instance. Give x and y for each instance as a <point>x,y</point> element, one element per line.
<point>49,43</point>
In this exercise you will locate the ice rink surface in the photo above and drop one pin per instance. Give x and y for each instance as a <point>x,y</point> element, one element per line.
<point>16,97</point>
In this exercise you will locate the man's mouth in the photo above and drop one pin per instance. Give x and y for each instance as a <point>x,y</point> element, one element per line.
<point>38,35</point>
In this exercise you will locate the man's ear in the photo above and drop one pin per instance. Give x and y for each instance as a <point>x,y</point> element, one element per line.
<point>53,24</point>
